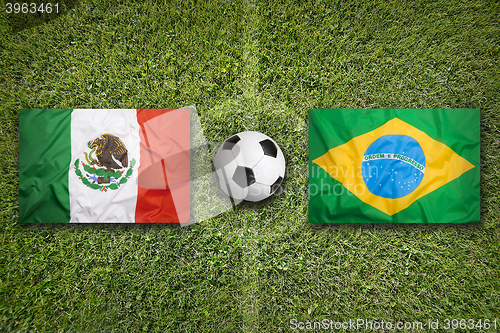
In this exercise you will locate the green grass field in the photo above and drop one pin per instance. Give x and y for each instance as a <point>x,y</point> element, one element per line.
<point>250,65</point>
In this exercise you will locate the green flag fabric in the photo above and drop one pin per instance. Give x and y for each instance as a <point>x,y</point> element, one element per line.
<point>394,166</point>
<point>52,128</point>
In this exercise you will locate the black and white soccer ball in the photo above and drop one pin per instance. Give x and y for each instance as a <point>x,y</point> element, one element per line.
<point>250,166</point>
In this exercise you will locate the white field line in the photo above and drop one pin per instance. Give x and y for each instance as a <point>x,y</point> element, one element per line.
<point>249,301</point>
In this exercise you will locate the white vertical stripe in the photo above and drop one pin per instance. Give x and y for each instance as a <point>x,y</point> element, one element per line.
<point>92,205</point>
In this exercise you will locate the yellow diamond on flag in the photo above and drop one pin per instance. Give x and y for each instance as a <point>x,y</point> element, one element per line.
<point>350,164</point>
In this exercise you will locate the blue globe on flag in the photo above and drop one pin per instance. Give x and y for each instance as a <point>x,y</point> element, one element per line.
<point>393,166</point>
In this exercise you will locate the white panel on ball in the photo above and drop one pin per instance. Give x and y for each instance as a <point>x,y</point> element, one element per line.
<point>227,184</point>
<point>224,157</point>
<point>267,170</point>
<point>250,153</point>
<point>250,135</point>
<point>258,192</point>
<point>281,161</point>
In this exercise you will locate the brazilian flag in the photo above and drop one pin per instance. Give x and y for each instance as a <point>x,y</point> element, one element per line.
<point>394,166</point>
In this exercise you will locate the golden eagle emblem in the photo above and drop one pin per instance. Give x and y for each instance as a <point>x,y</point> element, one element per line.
<point>110,151</point>
<point>104,172</point>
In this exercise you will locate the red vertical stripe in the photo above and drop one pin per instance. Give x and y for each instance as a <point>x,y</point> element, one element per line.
<point>164,147</point>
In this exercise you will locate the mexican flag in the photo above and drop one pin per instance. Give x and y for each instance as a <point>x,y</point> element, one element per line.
<point>394,166</point>
<point>104,165</point>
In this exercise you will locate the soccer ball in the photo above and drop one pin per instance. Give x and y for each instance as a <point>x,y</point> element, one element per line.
<point>250,166</point>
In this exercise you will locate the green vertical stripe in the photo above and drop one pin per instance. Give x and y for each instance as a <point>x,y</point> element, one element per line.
<point>44,161</point>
